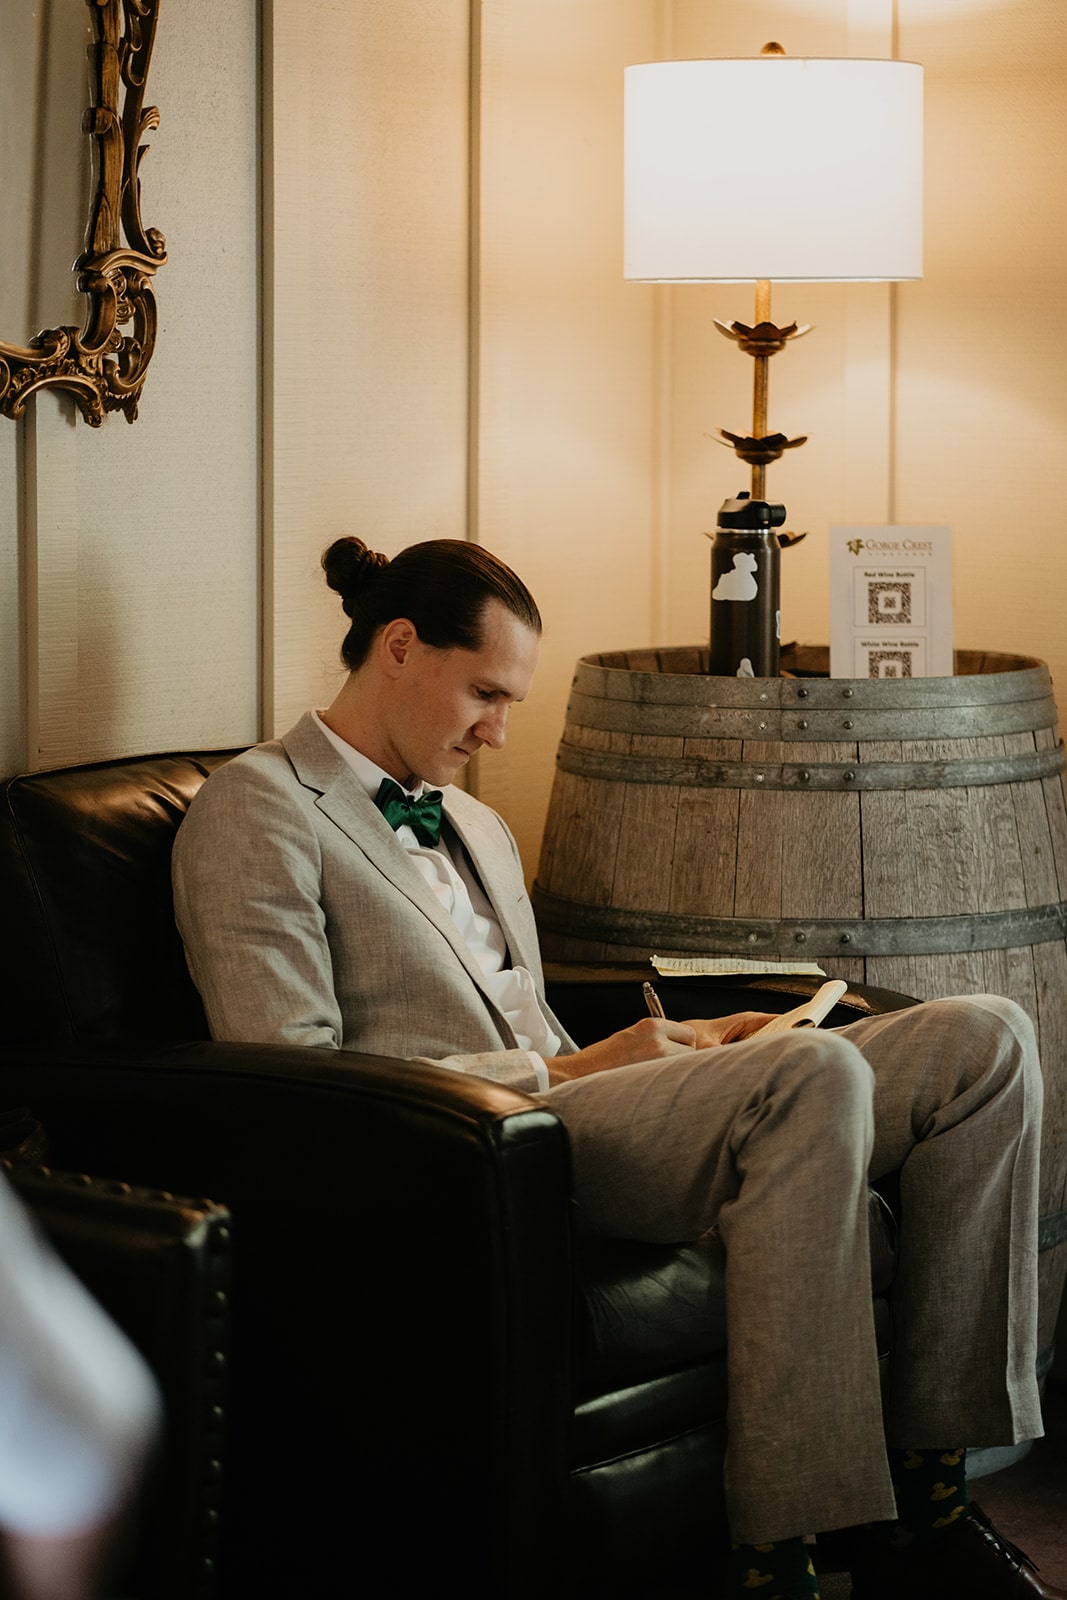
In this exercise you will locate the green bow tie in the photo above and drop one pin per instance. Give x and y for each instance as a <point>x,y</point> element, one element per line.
<point>423,816</point>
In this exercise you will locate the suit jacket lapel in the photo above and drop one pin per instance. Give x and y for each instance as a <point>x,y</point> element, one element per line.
<point>480,838</point>
<point>343,799</point>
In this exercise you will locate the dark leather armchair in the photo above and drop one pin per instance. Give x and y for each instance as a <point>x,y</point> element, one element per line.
<point>431,1379</point>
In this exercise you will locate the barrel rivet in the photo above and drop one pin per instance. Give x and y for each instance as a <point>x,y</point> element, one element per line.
<point>759,777</point>
<point>753,938</point>
<point>802,694</point>
<point>847,723</point>
<point>846,694</point>
<point>802,723</point>
<point>846,938</point>
<point>850,777</point>
<point>800,938</point>
<point>805,776</point>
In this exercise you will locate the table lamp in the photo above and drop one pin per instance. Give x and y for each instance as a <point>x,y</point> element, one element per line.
<point>755,169</point>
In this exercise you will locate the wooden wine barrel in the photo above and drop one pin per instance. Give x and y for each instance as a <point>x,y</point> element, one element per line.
<point>907,832</point>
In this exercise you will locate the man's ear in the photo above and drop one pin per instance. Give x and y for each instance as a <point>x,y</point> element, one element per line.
<point>395,645</point>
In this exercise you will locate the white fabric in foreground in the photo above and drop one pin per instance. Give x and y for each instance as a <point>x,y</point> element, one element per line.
<point>78,1406</point>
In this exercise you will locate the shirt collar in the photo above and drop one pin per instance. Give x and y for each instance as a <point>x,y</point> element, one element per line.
<point>368,772</point>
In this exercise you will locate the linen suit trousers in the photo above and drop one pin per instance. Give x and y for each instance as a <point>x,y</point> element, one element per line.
<point>773,1142</point>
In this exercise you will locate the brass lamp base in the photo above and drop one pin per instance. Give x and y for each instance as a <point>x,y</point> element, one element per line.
<point>762,341</point>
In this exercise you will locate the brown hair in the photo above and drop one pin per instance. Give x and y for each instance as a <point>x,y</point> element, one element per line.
<point>442,586</point>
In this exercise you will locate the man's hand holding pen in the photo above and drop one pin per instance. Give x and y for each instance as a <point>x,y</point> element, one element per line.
<point>654,1038</point>
<point>649,1039</point>
<point>714,1030</point>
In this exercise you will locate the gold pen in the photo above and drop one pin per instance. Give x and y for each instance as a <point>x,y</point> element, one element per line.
<point>653,1002</point>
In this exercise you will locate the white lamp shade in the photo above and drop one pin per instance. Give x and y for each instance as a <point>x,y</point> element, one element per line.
<point>773,167</point>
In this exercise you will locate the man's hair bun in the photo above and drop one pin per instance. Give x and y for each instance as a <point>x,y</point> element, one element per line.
<point>349,566</point>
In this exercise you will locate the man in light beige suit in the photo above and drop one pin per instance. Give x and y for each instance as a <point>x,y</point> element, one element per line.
<point>326,897</point>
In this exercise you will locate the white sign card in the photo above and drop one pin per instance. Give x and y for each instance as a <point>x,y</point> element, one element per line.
<point>890,602</point>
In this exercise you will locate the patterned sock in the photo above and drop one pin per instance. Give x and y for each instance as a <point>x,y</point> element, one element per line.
<point>931,1491</point>
<point>780,1571</point>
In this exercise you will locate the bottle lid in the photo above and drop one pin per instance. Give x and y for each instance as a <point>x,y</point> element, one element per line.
<point>744,512</point>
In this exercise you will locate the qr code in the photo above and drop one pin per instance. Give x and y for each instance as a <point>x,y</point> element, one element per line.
<point>889,664</point>
<point>889,602</point>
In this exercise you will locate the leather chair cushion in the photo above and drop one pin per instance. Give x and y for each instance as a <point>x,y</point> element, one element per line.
<point>85,884</point>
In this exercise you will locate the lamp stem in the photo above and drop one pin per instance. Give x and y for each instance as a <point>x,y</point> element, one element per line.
<point>759,387</point>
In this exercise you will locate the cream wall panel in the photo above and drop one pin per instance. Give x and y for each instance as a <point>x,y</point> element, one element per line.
<point>141,540</point>
<point>566,403</point>
<point>983,381</point>
<point>366,320</point>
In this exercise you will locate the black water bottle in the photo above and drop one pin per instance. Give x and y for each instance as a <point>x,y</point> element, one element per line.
<point>745,559</point>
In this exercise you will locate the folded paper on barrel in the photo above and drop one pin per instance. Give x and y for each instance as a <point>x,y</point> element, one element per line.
<point>729,966</point>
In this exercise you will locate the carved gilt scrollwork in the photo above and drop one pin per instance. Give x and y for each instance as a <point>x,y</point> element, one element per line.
<point>103,364</point>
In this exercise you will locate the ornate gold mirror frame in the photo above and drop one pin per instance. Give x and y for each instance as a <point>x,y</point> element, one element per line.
<point>103,367</point>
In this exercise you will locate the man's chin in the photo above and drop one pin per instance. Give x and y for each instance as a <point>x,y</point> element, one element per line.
<point>447,768</point>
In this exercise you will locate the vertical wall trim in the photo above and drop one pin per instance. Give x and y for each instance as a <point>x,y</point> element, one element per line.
<point>469,778</point>
<point>35,243</point>
<point>868,434</point>
<point>29,582</point>
<point>867,403</point>
<point>892,365</point>
<point>894,322</point>
<point>662,449</point>
<point>662,400</point>
<point>266,652</point>
<point>51,534</point>
<point>474,261</point>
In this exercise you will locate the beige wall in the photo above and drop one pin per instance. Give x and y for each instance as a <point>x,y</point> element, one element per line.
<point>448,345</point>
<point>564,488</point>
<point>478,365</point>
<point>981,374</point>
<point>366,324</point>
<point>139,543</point>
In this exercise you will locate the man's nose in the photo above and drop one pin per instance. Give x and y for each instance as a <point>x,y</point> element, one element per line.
<point>492,728</point>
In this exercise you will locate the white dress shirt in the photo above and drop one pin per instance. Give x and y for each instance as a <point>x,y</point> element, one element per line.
<point>460,895</point>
